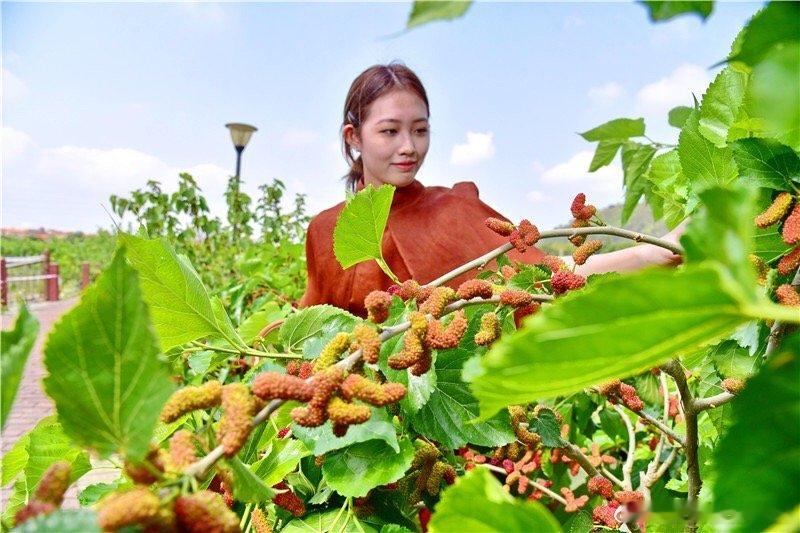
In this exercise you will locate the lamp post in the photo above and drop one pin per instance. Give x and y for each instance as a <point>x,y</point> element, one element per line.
<point>240,134</point>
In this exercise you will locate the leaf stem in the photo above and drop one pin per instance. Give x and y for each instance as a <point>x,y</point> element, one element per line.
<point>627,467</point>
<point>533,483</point>
<point>246,351</point>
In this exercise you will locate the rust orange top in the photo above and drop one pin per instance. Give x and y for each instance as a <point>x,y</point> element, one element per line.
<point>430,231</point>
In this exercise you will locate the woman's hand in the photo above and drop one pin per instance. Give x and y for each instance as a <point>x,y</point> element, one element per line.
<point>656,255</point>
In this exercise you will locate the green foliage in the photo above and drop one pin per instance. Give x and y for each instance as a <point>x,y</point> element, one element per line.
<point>678,115</point>
<point>767,163</point>
<point>661,10</point>
<point>63,521</point>
<point>354,470</point>
<point>424,11</point>
<point>775,25</point>
<point>17,344</point>
<point>248,487</point>
<point>774,93</point>
<point>703,163</point>
<point>477,502</point>
<point>617,129</point>
<point>721,104</point>
<point>321,440</point>
<point>635,160</point>
<point>106,348</point>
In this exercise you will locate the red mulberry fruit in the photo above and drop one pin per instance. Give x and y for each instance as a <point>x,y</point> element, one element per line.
<point>377,304</point>
<point>136,506</point>
<point>474,288</point>
<point>33,509</point>
<point>144,473</point>
<point>610,387</point>
<point>369,340</point>
<point>789,262</point>
<point>585,250</point>
<point>238,409</point>
<point>54,483</point>
<point>630,397</point>
<point>444,337</point>
<point>409,290</point>
<point>301,370</point>
<point>189,399</point>
<point>602,486</point>
<point>182,450</point>
<point>554,263</point>
<point>516,298</point>
<point>573,504</point>
<point>501,227</point>
<point>579,208</point>
<point>289,501</point>
<point>332,351</point>
<point>324,384</point>
<point>776,211</point>
<point>626,497</point>
<point>522,312</point>
<point>565,280</point>
<point>577,240</point>
<point>787,295</point>
<point>508,271</point>
<point>528,232</point>
<point>274,385</point>
<point>489,331</point>
<point>732,385</point>
<point>368,391</point>
<point>203,512</point>
<point>440,298</point>
<point>414,346</point>
<point>604,514</point>
<point>791,226</point>
<point>519,243</point>
<point>259,521</point>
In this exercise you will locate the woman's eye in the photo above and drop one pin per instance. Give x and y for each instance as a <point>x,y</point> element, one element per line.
<point>422,130</point>
<point>387,131</point>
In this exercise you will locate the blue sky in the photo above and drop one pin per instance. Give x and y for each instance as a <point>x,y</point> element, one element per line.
<point>99,98</point>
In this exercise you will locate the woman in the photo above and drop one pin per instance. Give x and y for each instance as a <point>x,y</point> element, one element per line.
<point>430,230</point>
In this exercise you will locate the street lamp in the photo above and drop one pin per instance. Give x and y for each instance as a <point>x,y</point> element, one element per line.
<point>240,134</point>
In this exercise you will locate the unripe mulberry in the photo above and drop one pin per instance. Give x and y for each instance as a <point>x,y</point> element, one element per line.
<point>516,298</point>
<point>274,385</point>
<point>577,240</point>
<point>776,211</point>
<point>791,226</point>
<point>204,512</point>
<point>602,486</point>
<point>188,399</point>
<point>368,391</point>
<point>332,351</point>
<point>33,509</point>
<point>565,280</point>
<point>408,290</point>
<point>369,340</point>
<point>289,501</point>
<point>346,413</point>
<point>554,263</point>
<point>54,483</point>
<point>182,451</point>
<point>377,304</point>
<point>604,514</point>
<point>789,262</point>
<point>136,506</point>
<point>440,472</point>
<point>573,504</point>
<point>761,268</point>
<point>787,295</point>
<point>610,387</point>
<point>440,298</point>
<point>414,347</point>
<point>579,208</point>
<point>324,385</point>
<point>426,453</point>
<point>528,232</point>
<point>444,337</point>
<point>732,385</point>
<point>474,288</point>
<point>259,522</point>
<point>629,396</point>
<point>490,330</point>
<point>144,473</point>
<point>300,369</point>
<point>519,420</point>
<point>238,409</point>
<point>585,250</point>
<point>501,227</point>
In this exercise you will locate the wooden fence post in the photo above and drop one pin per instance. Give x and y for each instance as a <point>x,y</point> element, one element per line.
<point>85,278</point>
<point>52,283</point>
<point>46,271</point>
<point>3,282</point>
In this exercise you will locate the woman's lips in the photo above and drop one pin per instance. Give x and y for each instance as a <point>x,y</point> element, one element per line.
<point>406,167</point>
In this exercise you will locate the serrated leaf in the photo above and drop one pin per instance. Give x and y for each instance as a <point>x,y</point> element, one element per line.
<point>773,94</point>
<point>721,104</point>
<point>568,345</point>
<point>617,129</point>
<point>424,11</point>
<point>105,376</point>
<point>677,116</point>
<point>733,361</point>
<point>777,23</point>
<point>355,470</point>
<point>359,229</point>
<point>604,154</point>
<point>635,162</point>
<point>248,487</point>
<point>180,306</point>
<point>477,502</point>
<point>763,415</point>
<point>321,440</point>
<point>62,521</point>
<point>668,181</point>
<point>661,10</point>
<point>17,344</point>
<point>581,522</point>
<point>252,326</point>
<point>704,164</point>
<point>548,428</point>
<point>283,458</point>
<point>309,323</point>
<point>767,163</point>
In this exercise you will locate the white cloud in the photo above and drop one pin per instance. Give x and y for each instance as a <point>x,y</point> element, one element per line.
<point>479,147</point>
<point>679,30</point>
<point>14,89</point>
<point>657,98</point>
<point>607,93</point>
<point>575,172</point>
<point>537,197</point>
<point>297,137</point>
<point>15,144</point>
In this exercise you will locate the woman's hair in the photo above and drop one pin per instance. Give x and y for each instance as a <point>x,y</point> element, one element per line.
<point>370,85</point>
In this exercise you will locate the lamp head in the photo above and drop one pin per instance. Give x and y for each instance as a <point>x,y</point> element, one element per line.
<point>240,134</point>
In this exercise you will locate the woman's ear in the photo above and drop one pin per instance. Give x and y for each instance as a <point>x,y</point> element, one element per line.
<point>351,137</point>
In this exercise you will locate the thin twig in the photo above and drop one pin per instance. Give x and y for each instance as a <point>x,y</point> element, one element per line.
<point>661,427</point>
<point>627,467</point>
<point>610,475</point>
<point>713,401</point>
<point>533,483</point>
<point>575,453</point>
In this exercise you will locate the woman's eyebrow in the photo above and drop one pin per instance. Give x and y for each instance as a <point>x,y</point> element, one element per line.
<point>422,119</point>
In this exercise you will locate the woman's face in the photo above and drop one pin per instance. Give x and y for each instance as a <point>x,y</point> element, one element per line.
<point>395,131</point>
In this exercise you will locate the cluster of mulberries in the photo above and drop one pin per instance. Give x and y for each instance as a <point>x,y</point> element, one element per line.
<point>516,298</point>
<point>489,331</point>
<point>238,408</point>
<point>616,390</point>
<point>604,514</point>
<point>631,499</point>
<point>288,500</point>
<point>585,250</point>
<point>369,341</point>
<point>430,472</point>
<point>411,290</point>
<point>554,263</point>
<point>501,227</point>
<point>439,298</point>
<point>377,394</point>
<point>511,452</point>
<point>344,414</point>
<point>519,421</point>
<point>182,451</point>
<point>787,295</point>
<point>377,304</point>
<point>205,511</point>
<point>525,235</point>
<point>563,281</point>
<point>301,370</point>
<point>332,351</point>
<point>789,262</point>
<point>577,240</point>
<point>274,385</point>
<point>49,493</point>
<point>732,385</point>
<point>440,471</point>
<point>777,211</point>
<point>416,354</point>
<point>602,486</point>
<point>188,399</point>
<point>580,210</point>
<point>324,384</point>
<point>443,337</point>
<point>138,506</point>
<point>474,288</point>
<point>146,472</point>
<point>259,522</point>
